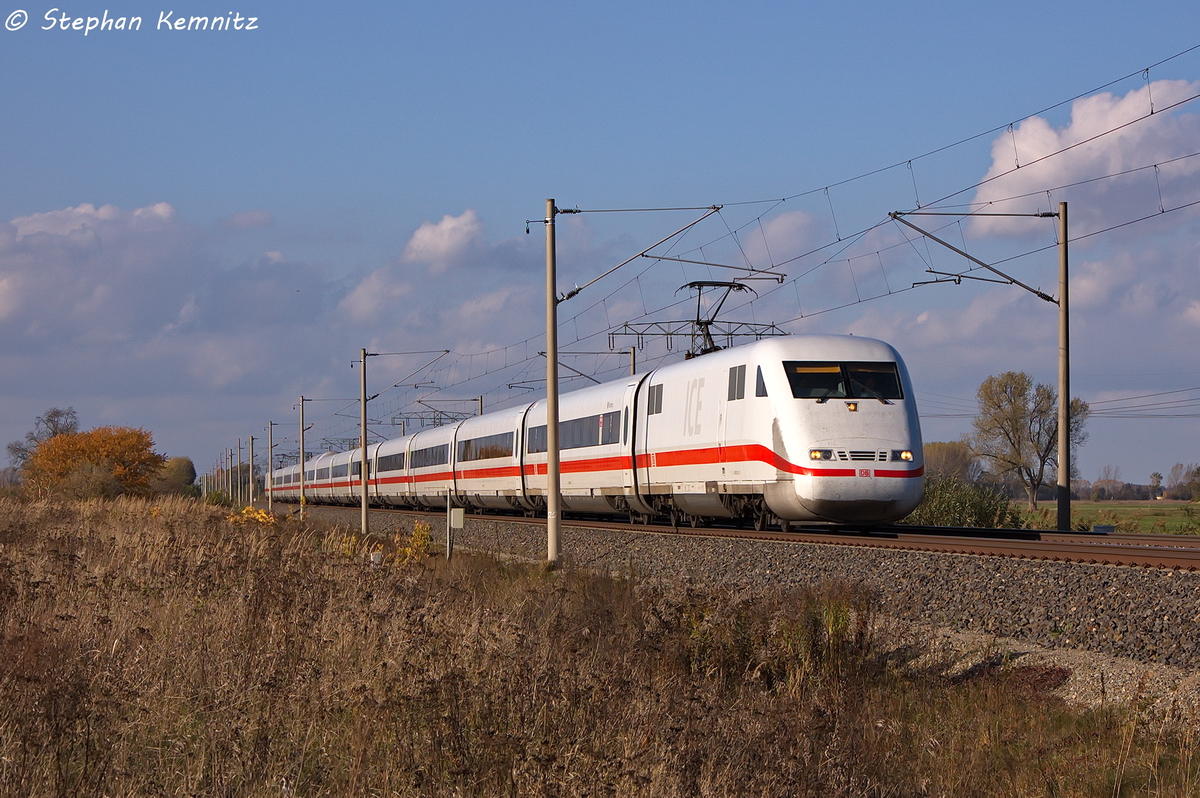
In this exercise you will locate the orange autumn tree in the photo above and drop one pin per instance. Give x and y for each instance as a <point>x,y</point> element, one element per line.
<point>103,462</point>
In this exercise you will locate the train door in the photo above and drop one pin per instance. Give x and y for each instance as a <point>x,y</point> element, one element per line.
<point>629,427</point>
<point>522,443</point>
<point>732,427</point>
<point>646,408</point>
<point>452,484</point>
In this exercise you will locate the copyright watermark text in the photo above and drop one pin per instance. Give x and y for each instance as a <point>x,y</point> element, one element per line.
<point>58,20</point>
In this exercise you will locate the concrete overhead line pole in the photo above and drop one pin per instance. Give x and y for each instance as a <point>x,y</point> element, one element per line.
<point>363,469</point>
<point>301,457</point>
<point>1063,490</point>
<point>1064,379</point>
<point>553,484</point>
<point>270,465</point>
<point>251,455</point>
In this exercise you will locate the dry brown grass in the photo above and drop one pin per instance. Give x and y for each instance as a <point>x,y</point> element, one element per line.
<point>163,649</point>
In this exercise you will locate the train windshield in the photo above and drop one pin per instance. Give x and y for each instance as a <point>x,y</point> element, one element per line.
<point>824,380</point>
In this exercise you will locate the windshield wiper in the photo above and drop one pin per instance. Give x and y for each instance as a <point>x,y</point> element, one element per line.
<point>873,394</point>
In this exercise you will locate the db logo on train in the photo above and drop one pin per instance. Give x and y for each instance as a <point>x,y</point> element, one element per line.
<point>864,472</point>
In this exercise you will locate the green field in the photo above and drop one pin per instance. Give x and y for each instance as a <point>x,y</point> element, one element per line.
<point>1164,517</point>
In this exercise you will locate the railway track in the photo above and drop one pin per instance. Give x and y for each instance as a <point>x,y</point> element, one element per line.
<point>1176,552</point>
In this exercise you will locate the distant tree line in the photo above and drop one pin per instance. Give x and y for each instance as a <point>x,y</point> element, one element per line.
<point>56,460</point>
<point>1183,482</point>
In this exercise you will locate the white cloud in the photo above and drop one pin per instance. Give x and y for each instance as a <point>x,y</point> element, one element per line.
<point>1191,314</point>
<point>219,362</point>
<point>1094,282</point>
<point>784,235</point>
<point>1158,139</point>
<point>88,274</point>
<point>376,295</point>
<point>10,298</point>
<point>65,221</point>
<point>444,244</point>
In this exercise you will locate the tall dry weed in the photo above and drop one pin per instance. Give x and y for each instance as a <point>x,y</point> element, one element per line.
<point>155,648</point>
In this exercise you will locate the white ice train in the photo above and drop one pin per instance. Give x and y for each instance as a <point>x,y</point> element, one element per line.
<point>797,429</point>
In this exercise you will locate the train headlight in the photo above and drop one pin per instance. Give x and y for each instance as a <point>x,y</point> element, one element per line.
<point>820,454</point>
<point>904,455</point>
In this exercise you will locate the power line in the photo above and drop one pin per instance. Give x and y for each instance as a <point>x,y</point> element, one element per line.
<point>842,245</point>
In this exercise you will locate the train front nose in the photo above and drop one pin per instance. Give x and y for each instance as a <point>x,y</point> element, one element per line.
<point>859,485</point>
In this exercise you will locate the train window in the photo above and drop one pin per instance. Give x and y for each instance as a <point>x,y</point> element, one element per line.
<point>433,456</point>
<point>821,381</point>
<point>815,380</point>
<point>578,433</point>
<point>610,427</point>
<point>338,470</point>
<point>310,475</point>
<point>737,383</point>
<point>391,462</point>
<point>322,473</point>
<point>356,468</point>
<point>760,387</point>
<point>486,448</point>
<point>625,428</point>
<point>874,381</point>
<point>655,399</point>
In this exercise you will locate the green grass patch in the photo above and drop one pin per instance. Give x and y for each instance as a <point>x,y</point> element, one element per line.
<point>1161,516</point>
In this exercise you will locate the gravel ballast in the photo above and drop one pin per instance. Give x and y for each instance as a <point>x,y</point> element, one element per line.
<point>1126,635</point>
<point>1138,613</point>
<point>1144,614</point>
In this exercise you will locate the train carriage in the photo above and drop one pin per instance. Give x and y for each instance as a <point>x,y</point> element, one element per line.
<point>595,455</point>
<point>429,466</point>
<point>318,478</point>
<point>487,463</point>
<point>391,482</point>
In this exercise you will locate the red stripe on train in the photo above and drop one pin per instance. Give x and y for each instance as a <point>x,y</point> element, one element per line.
<point>680,457</point>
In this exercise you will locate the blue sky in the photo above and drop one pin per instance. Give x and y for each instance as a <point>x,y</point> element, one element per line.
<point>199,226</point>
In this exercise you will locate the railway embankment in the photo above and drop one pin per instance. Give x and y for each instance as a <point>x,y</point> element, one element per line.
<point>1146,614</point>
<point>162,647</point>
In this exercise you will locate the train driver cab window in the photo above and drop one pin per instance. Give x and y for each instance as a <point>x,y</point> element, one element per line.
<point>815,380</point>
<point>823,381</point>
<point>760,387</point>
<point>874,381</point>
